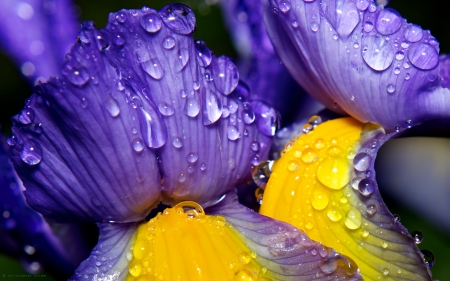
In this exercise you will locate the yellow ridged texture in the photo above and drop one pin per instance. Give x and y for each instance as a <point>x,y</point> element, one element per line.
<point>183,243</point>
<point>310,188</point>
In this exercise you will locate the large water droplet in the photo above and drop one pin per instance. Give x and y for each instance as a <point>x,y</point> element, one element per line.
<point>377,53</point>
<point>226,76</point>
<point>388,21</point>
<point>267,118</point>
<point>353,219</point>
<point>31,152</point>
<point>334,214</point>
<point>361,162</point>
<point>423,56</point>
<point>413,33</point>
<point>153,129</point>
<point>284,6</point>
<point>179,18</point>
<point>26,116</point>
<point>151,22</point>
<point>342,15</point>
<point>212,107</point>
<point>183,58</point>
<point>168,42</point>
<point>233,132</point>
<point>192,107</point>
<point>248,116</point>
<point>333,172</point>
<point>366,186</point>
<point>166,109</point>
<point>428,257</point>
<point>153,68</point>
<point>319,200</point>
<point>261,173</point>
<point>204,54</point>
<point>112,106</point>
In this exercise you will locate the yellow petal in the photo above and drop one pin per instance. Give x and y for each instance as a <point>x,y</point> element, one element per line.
<point>183,243</point>
<point>311,188</point>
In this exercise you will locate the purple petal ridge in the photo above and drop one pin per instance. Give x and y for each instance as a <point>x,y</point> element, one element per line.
<point>134,119</point>
<point>362,59</point>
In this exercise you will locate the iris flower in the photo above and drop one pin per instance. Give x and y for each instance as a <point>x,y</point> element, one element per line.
<point>141,114</point>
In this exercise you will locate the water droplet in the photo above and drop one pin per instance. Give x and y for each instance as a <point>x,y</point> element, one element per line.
<point>307,128</point>
<point>267,118</point>
<point>355,183</point>
<point>181,177</point>
<point>30,250</point>
<point>11,140</point>
<point>366,186</point>
<point>361,162</point>
<point>153,129</point>
<point>314,27</point>
<point>417,236</point>
<point>413,33</point>
<point>333,172</point>
<point>244,275</point>
<point>353,219</point>
<point>407,76</point>
<point>77,77</point>
<point>319,143</point>
<point>121,17</point>
<point>368,26</point>
<point>423,56</point>
<point>334,214</point>
<point>294,24</point>
<point>248,116</point>
<point>192,157</point>
<point>153,68</point>
<point>284,6</point>
<point>118,40</point>
<point>112,106</point>
<point>135,270</point>
<point>384,244</point>
<point>166,109</point>
<point>390,88</point>
<point>203,166</point>
<point>319,200</point>
<point>212,107</point>
<point>26,116</point>
<point>365,233</point>
<point>191,108</point>
<point>151,22</point>
<point>183,58</point>
<point>378,54</point>
<point>397,70</point>
<point>168,42</point>
<point>385,271</point>
<point>179,18</point>
<point>254,146</point>
<point>233,132</point>
<point>428,257</point>
<point>195,85</point>
<point>292,165</point>
<point>203,53</point>
<point>399,55</point>
<point>261,173</point>
<point>31,152</point>
<point>309,155</point>
<point>177,142</point>
<point>362,4</point>
<point>371,209</point>
<point>138,144</point>
<point>226,75</point>
<point>388,21</point>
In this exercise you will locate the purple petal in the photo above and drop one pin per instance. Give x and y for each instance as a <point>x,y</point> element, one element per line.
<point>108,260</point>
<point>358,58</point>
<point>140,108</point>
<point>37,34</point>
<point>259,66</point>
<point>25,234</point>
<point>286,252</point>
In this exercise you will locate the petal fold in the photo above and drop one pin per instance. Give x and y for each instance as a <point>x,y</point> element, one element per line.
<point>134,119</point>
<point>325,185</point>
<point>37,34</point>
<point>362,59</point>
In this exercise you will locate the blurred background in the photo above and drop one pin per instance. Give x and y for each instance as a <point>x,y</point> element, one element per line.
<point>413,173</point>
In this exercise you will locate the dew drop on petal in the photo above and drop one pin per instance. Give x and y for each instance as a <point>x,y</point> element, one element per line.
<point>26,116</point>
<point>138,144</point>
<point>192,157</point>
<point>166,109</point>
<point>390,89</point>
<point>371,209</point>
<point>366,186</point>
<point>423,56</point>
<point>168,42</point>
<point>177,142</point>
<point>226,75</point>
<point>31,152</point>
<point>254,146</point>
<point>368,26</point>
<point>151,22</point>
<point>388,21</point>
<point>413,33</point>
<point>353,219</point>
<point>112,106</point>
<point>212,107</point>
<point>153,68</point>
<point>192,107</point>
<point>417,236</point>
<point>233,132</point>
<point>361,162</point>
<point>319,200</point>
<point>333,172</point>
<point>284,6</point>
<point>183,58</point>
<point>248,116</point>
<point>428,257</point>
<point>204,54</point>
<point>334,214</point>
<point>179,18</point>
<point>362,4</point>
<point>377,53</point>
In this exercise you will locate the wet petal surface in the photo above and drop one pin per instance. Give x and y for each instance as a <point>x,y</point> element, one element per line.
<point>325,185</point>
<point>134,117</point>
<point>362,59</point>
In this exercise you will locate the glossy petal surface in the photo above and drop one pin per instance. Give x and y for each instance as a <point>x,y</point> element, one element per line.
<point>37,34</point>
<point>259,66</point>
<point>325,185</point>
<point>358,58</point>
<point>108,260</point>
<point>139,110</point>
<point>286,252</point>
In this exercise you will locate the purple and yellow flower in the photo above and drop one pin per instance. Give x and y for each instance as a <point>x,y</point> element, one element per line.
<point>143,115</point>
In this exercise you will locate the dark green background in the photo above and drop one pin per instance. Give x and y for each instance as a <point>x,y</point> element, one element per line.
<point>429,14</point>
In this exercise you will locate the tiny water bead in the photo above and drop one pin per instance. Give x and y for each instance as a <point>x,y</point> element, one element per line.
<point>216,250</point>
